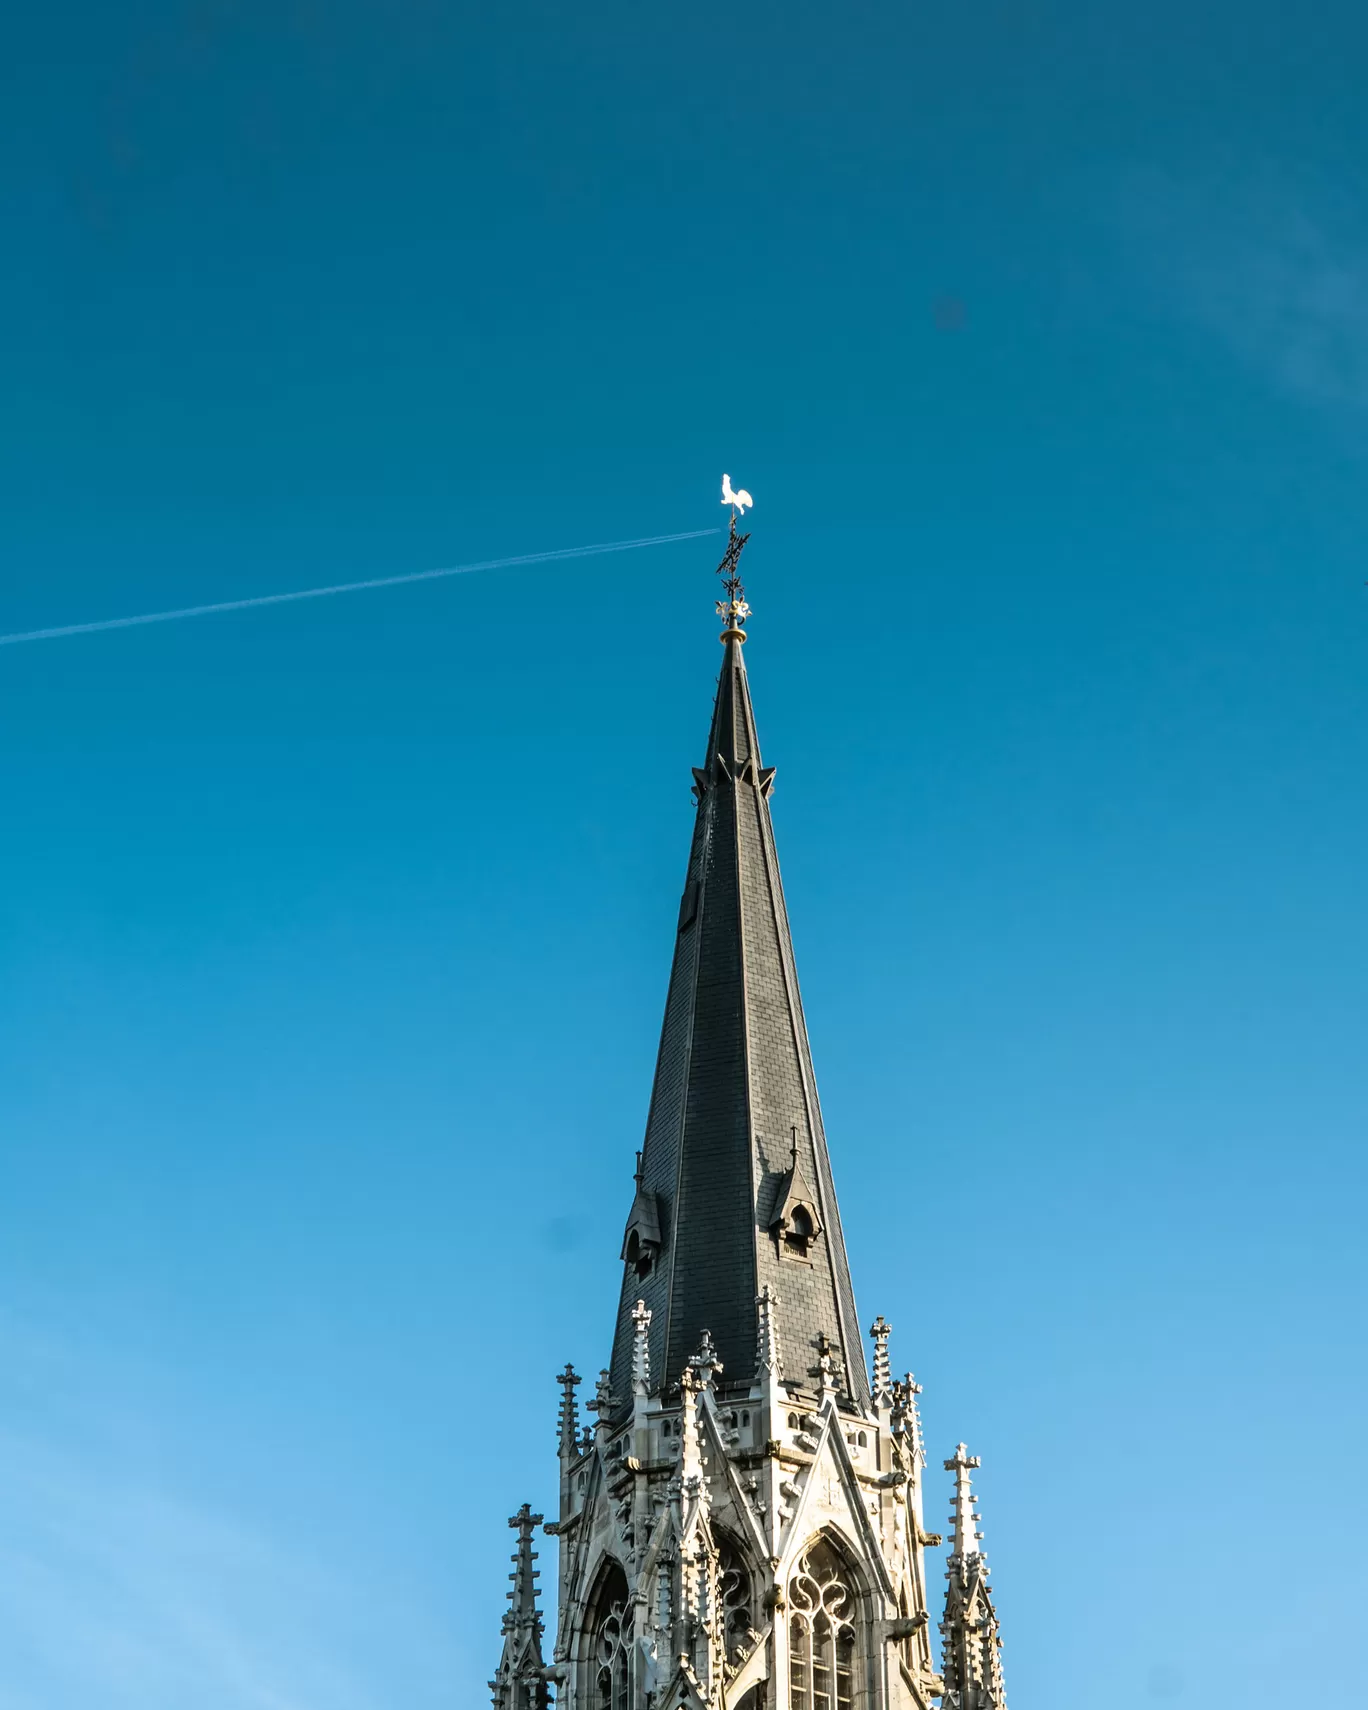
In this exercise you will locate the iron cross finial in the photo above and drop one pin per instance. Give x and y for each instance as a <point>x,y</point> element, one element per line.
<point>733,610</point>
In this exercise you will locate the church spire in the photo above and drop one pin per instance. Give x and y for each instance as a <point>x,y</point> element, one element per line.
<point>971,1644</point>
<point>744,1522</point>
<point>520,1682</point>
<point>734,1190</point>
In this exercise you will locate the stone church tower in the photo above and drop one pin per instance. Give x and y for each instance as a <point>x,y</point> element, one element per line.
<point>741,1527</point>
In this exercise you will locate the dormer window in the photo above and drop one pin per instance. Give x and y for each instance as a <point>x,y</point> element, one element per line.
<point>641,1240</point>
<point>798,1236</point>
<point>795,1224</point>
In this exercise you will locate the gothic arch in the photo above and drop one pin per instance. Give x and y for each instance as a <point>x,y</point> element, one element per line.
<point>738,1585</point>
<point>827,1609</point>
<point>605,1647</point>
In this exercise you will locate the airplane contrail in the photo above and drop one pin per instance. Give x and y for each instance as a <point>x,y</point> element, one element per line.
<point>352,587</point>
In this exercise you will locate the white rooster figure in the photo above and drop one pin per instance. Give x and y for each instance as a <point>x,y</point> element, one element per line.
<point>737,501</point>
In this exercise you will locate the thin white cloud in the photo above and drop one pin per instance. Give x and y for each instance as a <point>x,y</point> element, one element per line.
<point>115,1595</point>
<point>125,1596</point>
<point>556,555</point>
<point>1277,274</point>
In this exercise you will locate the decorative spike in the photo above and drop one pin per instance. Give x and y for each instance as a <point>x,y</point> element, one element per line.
<point>641,1347</point>
<point>519,1681</point>
<point>569,1410</point>
<point>767,1361</point>
<point>882,1386</point>
<point>690,1436</point>
<point>827,1369</point>
<point>523,1596</point>
<point>705,1363</point>
<point>971,1662</point>
<point>604,1400</point>
<point>963,1519</point>
<point>906,1417</point>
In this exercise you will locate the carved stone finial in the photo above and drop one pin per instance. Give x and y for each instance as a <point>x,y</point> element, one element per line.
<point>880,1330</point>
<point>569,1410</point>
<point>705,1363</point>
<point>525,1523</point>
<point>828,1367</point>
<point>906,1418</point>
<point>520,1678</point>
<point>971,1643</point>
<point>690,1437</point>
<point>641,1347</point>
<point>767,1362</point>
<point>604,1400</point>
<point>965,1536</point>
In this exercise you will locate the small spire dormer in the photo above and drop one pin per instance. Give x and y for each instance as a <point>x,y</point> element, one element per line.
<point>796,1223</point>
<point>641,1240</point>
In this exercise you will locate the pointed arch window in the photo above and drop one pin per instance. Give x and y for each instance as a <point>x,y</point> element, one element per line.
<point>611,1654</point>
<point>736,1597</point>
<point>798,1235</point>
<point>822,1632</point>
<point>638,1255</point>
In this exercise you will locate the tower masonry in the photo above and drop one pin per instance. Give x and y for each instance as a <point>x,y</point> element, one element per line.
<point>740,1527</point>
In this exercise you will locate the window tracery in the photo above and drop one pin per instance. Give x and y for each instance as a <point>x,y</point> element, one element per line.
<point>735,1597</point>
<point>822,1631</point>
<point>611,1656</point>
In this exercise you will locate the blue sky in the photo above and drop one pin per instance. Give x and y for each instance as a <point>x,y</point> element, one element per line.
<point>334,936</point>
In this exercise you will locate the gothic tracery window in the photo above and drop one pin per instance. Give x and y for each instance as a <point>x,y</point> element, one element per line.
<point>611,1656</point>
<point>734,1594</point>
<point>822,1623</point>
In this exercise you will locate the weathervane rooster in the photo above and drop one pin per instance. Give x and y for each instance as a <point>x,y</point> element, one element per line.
<point>737,501</point>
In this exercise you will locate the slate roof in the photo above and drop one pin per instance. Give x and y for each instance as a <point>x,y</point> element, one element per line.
<point>733,1083</point>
